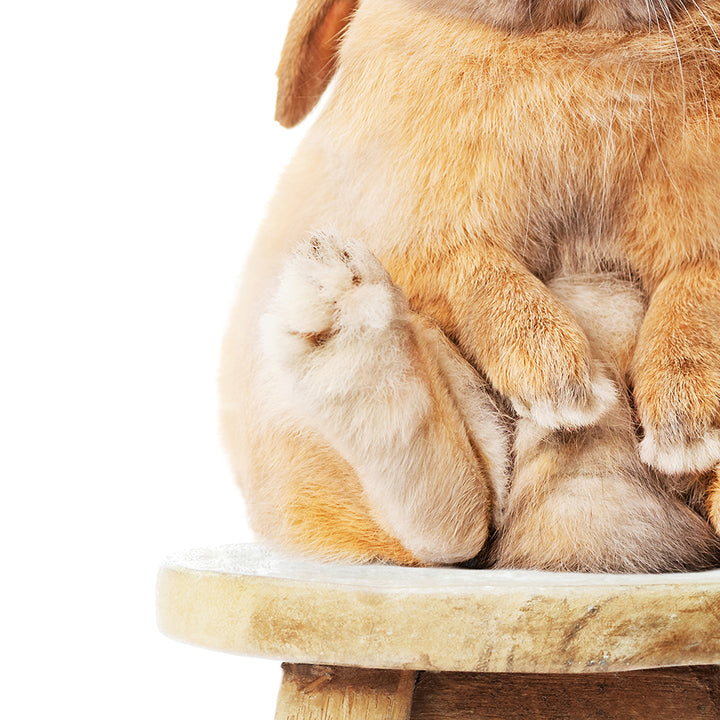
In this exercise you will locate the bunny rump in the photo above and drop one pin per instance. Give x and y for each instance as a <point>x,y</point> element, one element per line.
<point>481,319</point>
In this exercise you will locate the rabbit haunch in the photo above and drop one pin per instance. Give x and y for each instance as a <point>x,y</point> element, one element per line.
<point>481,220</point>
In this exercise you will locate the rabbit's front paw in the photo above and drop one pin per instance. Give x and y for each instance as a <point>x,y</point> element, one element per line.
<point>556,383</point>
<point>674,453</point>
<point>678,401</point>
<point>572,404</point>
<point>540,358</point>
<point>332,310</point>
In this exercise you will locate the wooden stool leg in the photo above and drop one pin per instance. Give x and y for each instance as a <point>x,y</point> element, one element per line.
<point>319,692</point>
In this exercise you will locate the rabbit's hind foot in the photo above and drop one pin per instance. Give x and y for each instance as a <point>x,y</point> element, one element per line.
<point>338,337</point>
<point>336,322</point>
<point>391,394</point>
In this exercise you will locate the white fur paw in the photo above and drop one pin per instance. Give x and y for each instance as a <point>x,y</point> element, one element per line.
<point>571,409</point>
<point>676,457</point>
<point>333,311</point>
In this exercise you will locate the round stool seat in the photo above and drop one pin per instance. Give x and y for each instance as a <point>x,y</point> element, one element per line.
<point>246,599</point>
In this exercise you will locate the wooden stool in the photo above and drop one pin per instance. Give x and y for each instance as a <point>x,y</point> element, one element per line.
<point>389,643</point>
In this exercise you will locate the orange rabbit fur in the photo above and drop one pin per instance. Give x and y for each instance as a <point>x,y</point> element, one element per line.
<point>491,268</point>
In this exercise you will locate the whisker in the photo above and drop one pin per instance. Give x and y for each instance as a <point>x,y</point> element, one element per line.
<point>632,136</point>
<point>708,22</point>
<point>668,16</point>
<point>701,70</point>
<point>653,18</point>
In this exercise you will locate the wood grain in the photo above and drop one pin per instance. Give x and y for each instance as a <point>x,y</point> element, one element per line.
<point>688,693</point>
<point>321,692</point>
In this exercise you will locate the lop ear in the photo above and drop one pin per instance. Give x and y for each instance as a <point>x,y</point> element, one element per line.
<point>309,55</point>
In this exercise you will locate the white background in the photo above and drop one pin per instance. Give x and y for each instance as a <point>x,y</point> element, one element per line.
<point>137,151</point>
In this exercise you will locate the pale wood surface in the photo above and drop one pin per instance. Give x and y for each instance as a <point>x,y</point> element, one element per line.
<point>248,600</point>
<point>312,692</point>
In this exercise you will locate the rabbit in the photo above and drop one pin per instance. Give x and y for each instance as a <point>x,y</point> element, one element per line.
<point>480,322</point>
